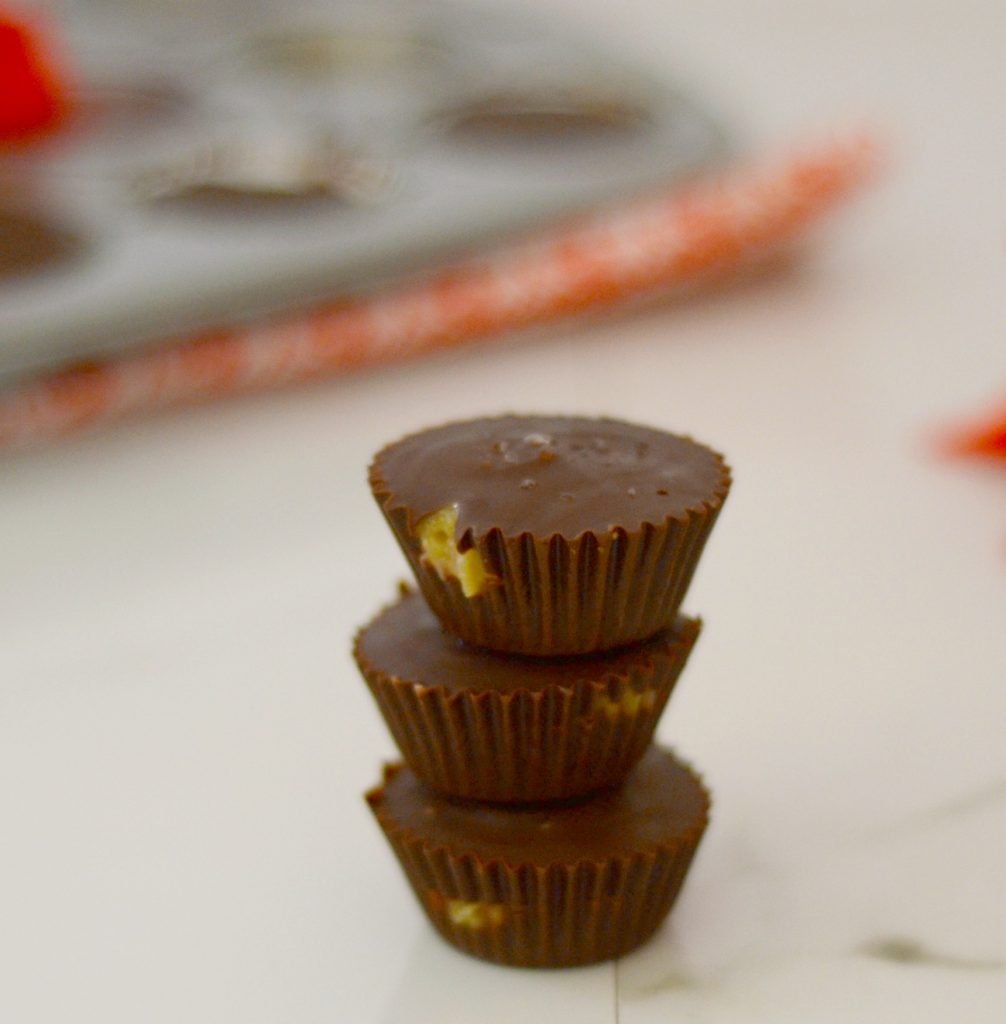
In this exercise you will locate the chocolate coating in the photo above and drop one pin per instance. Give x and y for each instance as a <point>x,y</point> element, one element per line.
<point>407,642</point>
<point>662,804</point>
<point>547,475</point>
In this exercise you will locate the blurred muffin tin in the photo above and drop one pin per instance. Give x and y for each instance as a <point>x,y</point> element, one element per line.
<point>218,172</point>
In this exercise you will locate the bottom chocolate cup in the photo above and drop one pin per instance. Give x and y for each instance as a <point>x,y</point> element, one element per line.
<point>552,885</point>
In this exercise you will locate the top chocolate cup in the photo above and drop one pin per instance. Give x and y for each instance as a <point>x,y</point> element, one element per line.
<point>551,535</point>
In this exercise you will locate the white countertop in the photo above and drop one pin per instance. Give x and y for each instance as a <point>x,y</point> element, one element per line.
<point>184,739</point>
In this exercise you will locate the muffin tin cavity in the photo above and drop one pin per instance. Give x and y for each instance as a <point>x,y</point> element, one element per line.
<point>554,118</point>
<point>31,245</point>
<point>255,171</point>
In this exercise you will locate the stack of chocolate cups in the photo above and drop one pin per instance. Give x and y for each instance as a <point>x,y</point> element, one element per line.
<point>533,817</point>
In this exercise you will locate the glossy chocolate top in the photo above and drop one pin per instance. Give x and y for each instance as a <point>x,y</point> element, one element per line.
<point>407,642</point>
<point>661,804</point>
<point>549,474</point>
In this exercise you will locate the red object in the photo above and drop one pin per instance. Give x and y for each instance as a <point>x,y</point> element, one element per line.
<point>32,99</point>
<point>986,439</point>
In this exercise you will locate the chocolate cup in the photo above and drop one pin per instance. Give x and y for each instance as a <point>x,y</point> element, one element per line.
<point>528,908</point>
<point>560,597</point>
<point>481,726</point>
<point>552,592</point>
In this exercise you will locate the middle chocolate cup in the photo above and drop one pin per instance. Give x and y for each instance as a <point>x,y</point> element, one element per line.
<point>479,725</point>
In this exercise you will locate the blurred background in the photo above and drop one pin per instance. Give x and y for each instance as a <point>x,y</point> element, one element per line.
<point>191,168</point>
<point>183,737</point>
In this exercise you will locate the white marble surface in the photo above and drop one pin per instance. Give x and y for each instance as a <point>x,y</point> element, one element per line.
<point>184,741</point>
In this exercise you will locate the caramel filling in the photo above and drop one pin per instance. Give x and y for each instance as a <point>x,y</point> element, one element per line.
<point>475,915</point>
<point>436,537</point>
<point>630,703</point>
